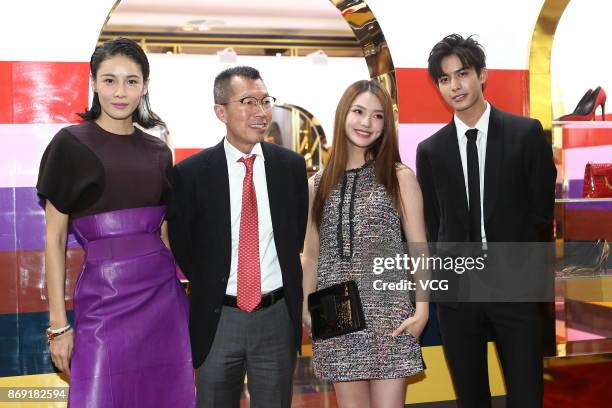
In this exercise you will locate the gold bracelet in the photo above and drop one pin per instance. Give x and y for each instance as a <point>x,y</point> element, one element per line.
<point>61,329</point>
<point>51,334</point>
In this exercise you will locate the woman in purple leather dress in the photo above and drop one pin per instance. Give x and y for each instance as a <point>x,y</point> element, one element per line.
<point>130,344</point>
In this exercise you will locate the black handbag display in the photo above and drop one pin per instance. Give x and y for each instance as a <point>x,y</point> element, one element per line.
<point>336,310</point>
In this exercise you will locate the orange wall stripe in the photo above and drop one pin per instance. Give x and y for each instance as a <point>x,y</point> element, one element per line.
<point>43,92</point>
<point>420,102</point>
<point>586,135</point>
<point>6,92</point>
<point>181,154</point>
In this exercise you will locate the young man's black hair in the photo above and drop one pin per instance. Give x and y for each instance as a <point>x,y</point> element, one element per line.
<point>468,50</point>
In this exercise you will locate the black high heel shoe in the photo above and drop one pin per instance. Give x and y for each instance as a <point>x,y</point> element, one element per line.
<point>585,110</point>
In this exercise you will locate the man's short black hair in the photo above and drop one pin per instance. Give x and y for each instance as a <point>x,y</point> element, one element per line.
<point>468,50</point>
<point>222,81</point>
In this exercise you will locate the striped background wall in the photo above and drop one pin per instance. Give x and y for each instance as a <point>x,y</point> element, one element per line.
<point>422,110</point>
<point>38,98</point>
<point>412,29</point>
<point>44,80</point>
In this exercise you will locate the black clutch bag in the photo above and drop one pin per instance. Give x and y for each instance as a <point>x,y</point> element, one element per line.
<point>336,310</point>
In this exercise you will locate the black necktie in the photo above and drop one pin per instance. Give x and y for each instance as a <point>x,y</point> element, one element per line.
<point>473,185</point>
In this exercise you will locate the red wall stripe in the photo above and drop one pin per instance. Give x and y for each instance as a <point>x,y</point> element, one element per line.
<point>43,92</point>
<point>182,154</point>
<point>8,282</point>
<point>586,136</point>
<point>6,92</point>
<point>23,280</point>
<point>587,225</point>
<point>420,102</point>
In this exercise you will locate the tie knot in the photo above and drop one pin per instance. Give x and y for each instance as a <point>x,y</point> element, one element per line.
<point>248,162</point>
<point>471,134</point>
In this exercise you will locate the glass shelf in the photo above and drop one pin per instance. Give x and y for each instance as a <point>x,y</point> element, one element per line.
<point>583,200</point>
<point>583,123</point>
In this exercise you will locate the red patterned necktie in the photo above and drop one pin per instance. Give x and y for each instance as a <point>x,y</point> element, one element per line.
<point>249,276</point>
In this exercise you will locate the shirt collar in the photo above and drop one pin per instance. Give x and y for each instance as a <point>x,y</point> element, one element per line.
<point>233,154</point>
<point>482,125</point>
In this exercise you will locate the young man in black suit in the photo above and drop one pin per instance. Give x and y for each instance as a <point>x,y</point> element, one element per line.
<point>237,228</point>
<point>488,176</point>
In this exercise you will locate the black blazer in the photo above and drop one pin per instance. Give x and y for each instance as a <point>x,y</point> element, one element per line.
<point>519,182</point>
<point>200,233</point>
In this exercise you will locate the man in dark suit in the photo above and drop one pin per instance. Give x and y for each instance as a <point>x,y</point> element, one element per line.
<point>237,228</point>
<point>487,177</point>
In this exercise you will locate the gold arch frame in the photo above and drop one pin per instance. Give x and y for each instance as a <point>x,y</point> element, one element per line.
<point>375,50</point>
<point>373,43</point>
<point>369,35</point>
<point>304,143</point>
<point>540,95</point>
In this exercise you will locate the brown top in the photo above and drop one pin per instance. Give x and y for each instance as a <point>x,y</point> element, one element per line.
<point>86,170</point>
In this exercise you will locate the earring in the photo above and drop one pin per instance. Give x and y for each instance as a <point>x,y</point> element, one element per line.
<point>143,110</point>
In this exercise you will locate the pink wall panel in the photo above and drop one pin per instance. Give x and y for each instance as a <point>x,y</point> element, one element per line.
<point>576,159</point>
<point>46,92</point>
<point>410,135</point>
<point>420,102</point>
<point>22,148</point>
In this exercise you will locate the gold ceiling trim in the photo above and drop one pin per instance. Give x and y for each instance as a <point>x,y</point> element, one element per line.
<point>196,40</point>
<point>540,95</point>
<point>110,14</point>
<point>174,45</point>
<point>361,20</point>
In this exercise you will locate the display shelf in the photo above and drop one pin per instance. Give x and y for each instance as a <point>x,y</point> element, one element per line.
<point>583,306</point>
<point>585,123</point>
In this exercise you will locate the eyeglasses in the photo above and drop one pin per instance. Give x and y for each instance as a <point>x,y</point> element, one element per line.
<point>251,102</point>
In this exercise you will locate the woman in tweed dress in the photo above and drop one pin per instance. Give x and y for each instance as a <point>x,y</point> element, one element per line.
<point>360,205</point>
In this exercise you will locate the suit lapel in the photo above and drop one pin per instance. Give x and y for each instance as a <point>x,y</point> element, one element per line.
<point>276,176</point>
<point>493,158</point>
<point>216,172</point>
<point>457,180</point>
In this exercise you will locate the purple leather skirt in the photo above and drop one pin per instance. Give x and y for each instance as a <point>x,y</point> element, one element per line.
<point>130,315</point>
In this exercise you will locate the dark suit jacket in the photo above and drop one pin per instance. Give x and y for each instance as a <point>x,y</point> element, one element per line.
<point>519,182</point>
<point>200,233</point>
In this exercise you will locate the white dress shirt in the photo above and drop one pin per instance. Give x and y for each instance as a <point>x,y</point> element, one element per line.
<point>481,144</point>
<point>271,276</point>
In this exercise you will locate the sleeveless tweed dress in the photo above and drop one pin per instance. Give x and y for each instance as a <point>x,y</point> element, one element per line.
<point>359,217</point>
